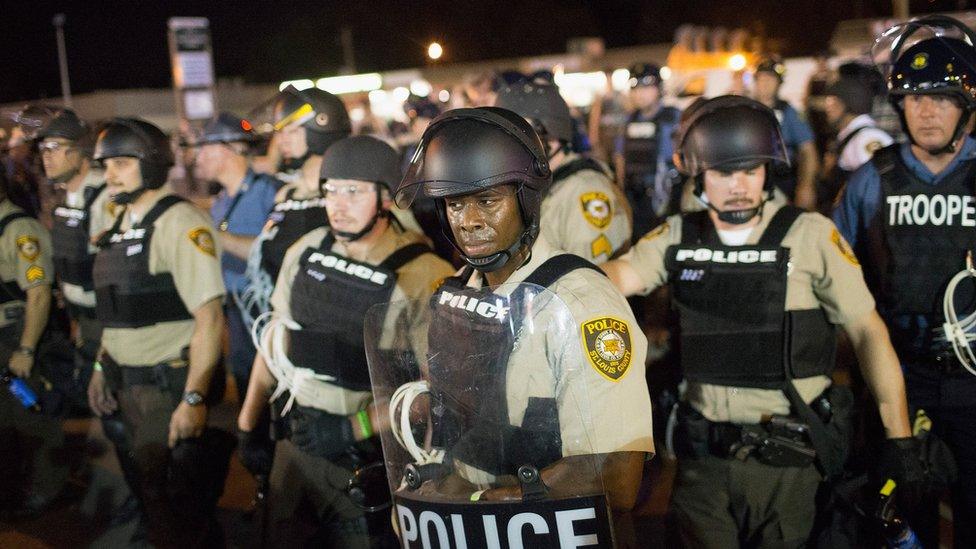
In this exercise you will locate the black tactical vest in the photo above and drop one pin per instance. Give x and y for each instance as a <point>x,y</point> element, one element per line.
<point>10,290</point>
<point>470,348</point>
<point>731,301</point>
<point>70,239</point>
<point>329,299</point>
<point>642,140</point>
<point>126,294</point>
<point>916,244</point>
<point>290,220</point>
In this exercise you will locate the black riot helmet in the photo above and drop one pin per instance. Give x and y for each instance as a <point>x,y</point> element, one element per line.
<point>322,114</point>
<point>465,151</point>
<point>928,56</point>
<point>225,128</point>
<point>362,158</point>
<point>730,133</point>
<point>135,138</point>
<point>66,125</point>
<point>645,74</point>
<point>542,105</point>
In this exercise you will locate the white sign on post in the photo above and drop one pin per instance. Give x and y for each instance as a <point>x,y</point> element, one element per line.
<point>191,60</point>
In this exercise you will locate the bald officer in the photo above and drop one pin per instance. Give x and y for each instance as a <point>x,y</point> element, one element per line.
<point>158,294</point>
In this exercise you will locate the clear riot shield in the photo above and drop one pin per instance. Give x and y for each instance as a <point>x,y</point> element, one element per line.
<point>489,435</point>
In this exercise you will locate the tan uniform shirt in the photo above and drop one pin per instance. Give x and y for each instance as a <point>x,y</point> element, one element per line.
<point>415,283</point>
<point>591,362</point>
<point>100,219</point>
<point>823,273</point>
<point>586,214</point>
<point>182,244</point>
<point>25,257</point>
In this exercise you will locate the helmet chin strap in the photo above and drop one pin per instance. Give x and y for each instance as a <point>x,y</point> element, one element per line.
<point>497,260</point>
<point>128,197</point>
<point>295,163</point>
<point>950,147</point>
<point>737,217</point>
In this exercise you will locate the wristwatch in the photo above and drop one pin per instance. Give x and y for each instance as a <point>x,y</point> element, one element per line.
<point>25,350</point>
<point>193,398</point>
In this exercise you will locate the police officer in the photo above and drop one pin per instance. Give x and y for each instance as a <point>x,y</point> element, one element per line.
<point>491,211</point>
<point>239,212</point>
<point>643,153</point>
<point>306,123</point>
<point>908,213</point>
<point>82,214</point>
<point>32,441</point>
<point>158,295</point>
<point>328,281</point>
<point>847,105</point>
<point>759,289</point>
<point>583,211</point>
<point>798,180</point>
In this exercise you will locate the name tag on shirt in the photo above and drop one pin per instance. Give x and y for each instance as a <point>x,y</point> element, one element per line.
<point>133,250</point>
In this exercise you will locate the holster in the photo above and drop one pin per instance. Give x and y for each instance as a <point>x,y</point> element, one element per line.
<point>168,377</point>
<point>779,442</point>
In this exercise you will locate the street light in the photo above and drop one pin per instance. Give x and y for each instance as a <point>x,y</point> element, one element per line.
<point>435,51</point>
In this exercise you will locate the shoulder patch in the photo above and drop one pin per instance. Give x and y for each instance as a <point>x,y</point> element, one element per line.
<point>601,246</point>
<point>203,240</point>
<point>28,247</point>
<point>608,346</point>
<point>35,273</point>
<point>872,146</point>
<point>596,209</point>
<point>844,248</point>
<point>660,230</point>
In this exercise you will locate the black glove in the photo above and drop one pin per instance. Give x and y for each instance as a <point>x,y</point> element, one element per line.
<point>257,451</point>
<point>901,460</point>
<point>320,433</point>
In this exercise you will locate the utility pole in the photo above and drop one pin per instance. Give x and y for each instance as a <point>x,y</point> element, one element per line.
<point>58,23</point>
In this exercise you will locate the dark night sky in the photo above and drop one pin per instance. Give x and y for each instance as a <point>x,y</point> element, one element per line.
<point>123,44</point>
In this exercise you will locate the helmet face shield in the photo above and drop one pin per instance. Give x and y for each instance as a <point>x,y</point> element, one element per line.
<point>32,118</point>
<point>931,55</point>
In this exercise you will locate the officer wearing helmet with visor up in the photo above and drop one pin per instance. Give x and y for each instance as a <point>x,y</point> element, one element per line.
<point>760,289</point>
<point>239,212</point>
<point>909,213</point>
<point>488,172</point>
<point>305,124</point>
<point>329,278</point>
<point>158,293</point>
<point>583,211</point>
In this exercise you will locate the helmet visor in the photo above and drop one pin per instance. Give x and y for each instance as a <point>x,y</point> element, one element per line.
<point>891,43</point>
<point>286,108</point>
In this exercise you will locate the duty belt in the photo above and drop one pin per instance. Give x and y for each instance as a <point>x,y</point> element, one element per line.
<point>167,376</point>
<point>779,441</point>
